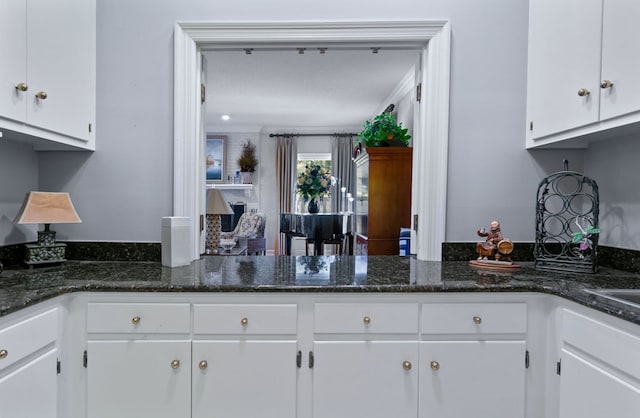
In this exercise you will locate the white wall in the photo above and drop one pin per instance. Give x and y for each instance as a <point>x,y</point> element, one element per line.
<point>614,165</point>
<point>18,175</point>
<point>123,190</point>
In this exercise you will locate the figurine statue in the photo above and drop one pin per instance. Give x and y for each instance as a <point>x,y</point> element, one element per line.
<point>489,248</point>
<point>494,252</point>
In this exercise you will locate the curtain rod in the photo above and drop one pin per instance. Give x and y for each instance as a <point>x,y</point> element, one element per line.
<point>292,135</point>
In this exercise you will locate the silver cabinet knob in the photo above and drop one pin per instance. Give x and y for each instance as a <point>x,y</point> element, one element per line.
<point>366,320</point>
<point>41,95</point>
<point>175,364</point>
<point>22,87</point>
<point>606,84</point>
<point>135,320</point>
<point>3,354</point>
<point>406,365</point>
<point>203,364</point>
<point>583,92</point>
<point>435,365</point>
<point>477,320</point>
<point>244,322</point>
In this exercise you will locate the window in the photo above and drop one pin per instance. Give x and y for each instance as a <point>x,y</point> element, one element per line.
<point>322,159</point>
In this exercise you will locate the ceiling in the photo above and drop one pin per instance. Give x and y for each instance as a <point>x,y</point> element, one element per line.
<point>283,88</point>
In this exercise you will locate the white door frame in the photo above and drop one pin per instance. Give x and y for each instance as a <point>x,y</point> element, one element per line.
<point>431,137</point>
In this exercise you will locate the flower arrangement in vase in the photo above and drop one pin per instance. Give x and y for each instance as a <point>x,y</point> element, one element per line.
<point>314,183</point>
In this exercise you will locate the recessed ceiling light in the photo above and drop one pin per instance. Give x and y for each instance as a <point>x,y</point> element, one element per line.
<point>225,117</point>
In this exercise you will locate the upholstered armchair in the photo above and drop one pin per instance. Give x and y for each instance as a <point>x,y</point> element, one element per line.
<point>250,225</point>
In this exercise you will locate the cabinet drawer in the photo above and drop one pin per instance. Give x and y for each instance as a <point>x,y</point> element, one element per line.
<point>366,318</point>
<point>245,319</point>
<point>474,318</point>
<point>26,337</point>
<point>602,341</point>
<point>138,318</point>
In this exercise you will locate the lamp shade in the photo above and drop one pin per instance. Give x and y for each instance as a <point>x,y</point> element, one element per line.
<point>47,208</point>
<point>216,205</point>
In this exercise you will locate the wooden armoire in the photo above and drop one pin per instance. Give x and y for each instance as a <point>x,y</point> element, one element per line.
<point>383,199</point>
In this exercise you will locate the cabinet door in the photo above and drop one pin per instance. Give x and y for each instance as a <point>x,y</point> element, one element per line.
<point>564,57</point>
<point>588,391</point>
<point>31,390</point>
<point>244,379</point>
<point>365,379</point>
<point>61,63</point>
<point>132,379</point>
<point>620,58</point>
<point>13,70</point>
<point>484,379</point>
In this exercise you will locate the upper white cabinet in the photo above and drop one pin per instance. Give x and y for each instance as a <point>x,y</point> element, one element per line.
<point>583,71</point>
<point>47,79</point>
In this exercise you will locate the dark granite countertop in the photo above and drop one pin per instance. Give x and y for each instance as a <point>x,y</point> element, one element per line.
<point>21,288</point>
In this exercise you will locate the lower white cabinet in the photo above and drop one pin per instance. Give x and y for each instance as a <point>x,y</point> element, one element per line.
<point>373,379</point>
<point>28,367</point>
<point>148,359</point>
<point>137,378</point>
<point>31,390</point>
<point>363,360</point>
<point>599,369</point>
<point>244,379</point>
<point>317,356</point>
<point>472,379</point>
<point>589,391</point>
<point>473,360</point>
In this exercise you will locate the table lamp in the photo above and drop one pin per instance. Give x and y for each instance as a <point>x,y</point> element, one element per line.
<point>46,208</point>
<point>216,206</point>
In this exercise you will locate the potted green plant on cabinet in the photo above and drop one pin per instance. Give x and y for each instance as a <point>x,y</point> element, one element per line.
<point>384,131</point>
<point>247,161</point>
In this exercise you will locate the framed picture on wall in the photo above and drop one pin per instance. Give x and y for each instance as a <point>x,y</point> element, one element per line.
<point>214,155</point>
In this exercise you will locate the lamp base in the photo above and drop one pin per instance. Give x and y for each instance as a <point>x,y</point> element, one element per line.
<point>45,254</point>
<point>46,237</point>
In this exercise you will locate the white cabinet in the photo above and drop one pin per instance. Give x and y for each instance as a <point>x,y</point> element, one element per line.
<point>365,360</point>
<point>244,360</point>
<point>31,390</point>
<point>600,371</point>
<point>374,379</point>
<point>148,359</point>
<point>138,360</point>
<point>28,367</point>
<point>47,80</point>
<point>472,360</point>
<point>13,71</point>
<point>583,70</point>
<point>138,378</point>
<point>472,378</point>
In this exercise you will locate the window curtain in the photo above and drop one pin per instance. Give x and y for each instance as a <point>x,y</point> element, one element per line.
<point>343,170</point>
<point>286,165</point>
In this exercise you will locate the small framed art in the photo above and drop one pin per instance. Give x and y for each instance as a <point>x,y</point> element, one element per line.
<point>214,155</point>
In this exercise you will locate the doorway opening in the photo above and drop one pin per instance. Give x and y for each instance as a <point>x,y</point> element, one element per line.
<point>431,136</point>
